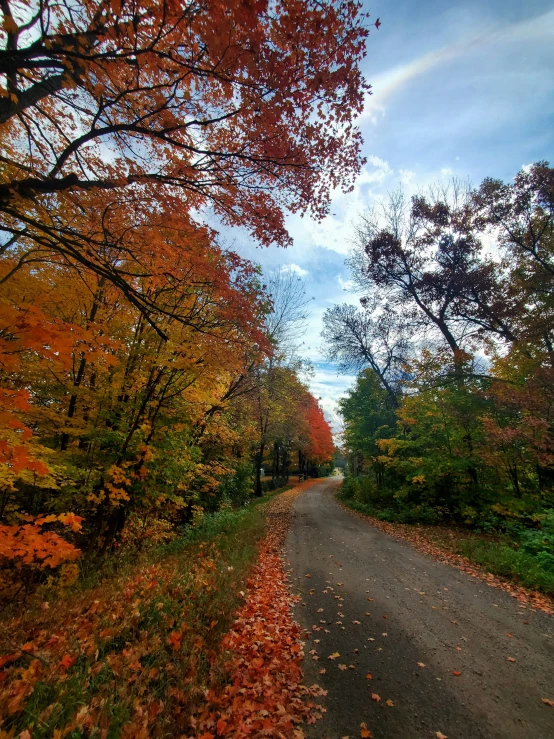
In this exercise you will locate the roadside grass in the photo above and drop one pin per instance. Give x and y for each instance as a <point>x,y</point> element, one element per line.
<point>138,648</point>
<point>507,561</point>
<point>496,554</point>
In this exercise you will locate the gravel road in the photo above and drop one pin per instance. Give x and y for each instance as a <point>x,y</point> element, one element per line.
<point>412,623</point>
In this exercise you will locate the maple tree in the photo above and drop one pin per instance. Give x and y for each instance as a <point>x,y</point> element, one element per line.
<point>117,114</point>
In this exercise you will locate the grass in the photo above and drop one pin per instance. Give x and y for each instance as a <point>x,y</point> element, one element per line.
<point>514,564</point>
<point>142,646</point>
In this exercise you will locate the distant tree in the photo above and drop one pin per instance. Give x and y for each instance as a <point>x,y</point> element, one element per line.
<point>359,339</point>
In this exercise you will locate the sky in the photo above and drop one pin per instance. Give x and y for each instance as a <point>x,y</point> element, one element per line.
<point>460,88</point>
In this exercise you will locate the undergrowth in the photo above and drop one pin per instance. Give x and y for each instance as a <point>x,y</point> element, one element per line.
<point>139,647</point>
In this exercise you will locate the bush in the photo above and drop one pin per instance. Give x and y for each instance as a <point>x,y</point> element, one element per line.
<point>539,541</point>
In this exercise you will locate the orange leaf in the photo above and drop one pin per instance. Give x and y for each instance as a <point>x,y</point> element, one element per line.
<point>66,661</point>
<point>175,639</point>
<point>375,697</point>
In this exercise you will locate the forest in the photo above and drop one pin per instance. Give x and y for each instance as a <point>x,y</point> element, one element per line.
<point>450,418</point>
<point>162,435</point>
<point>148,372</point>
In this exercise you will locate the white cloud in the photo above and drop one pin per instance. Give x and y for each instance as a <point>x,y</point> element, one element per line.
<point>384,85</point>
<point>406,177</point>
<point>296,269</point>
<point>347,285</point>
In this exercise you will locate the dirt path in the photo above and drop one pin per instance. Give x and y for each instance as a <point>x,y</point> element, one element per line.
<point>423,612</point>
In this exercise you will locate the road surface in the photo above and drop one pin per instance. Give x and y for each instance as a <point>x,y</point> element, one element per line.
<point>412,623</point>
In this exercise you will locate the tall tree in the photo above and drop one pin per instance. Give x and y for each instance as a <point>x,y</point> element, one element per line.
<point>247,108</point>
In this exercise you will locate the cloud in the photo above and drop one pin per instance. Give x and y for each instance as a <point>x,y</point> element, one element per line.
<point>296,269</point>
<point>347,285</point>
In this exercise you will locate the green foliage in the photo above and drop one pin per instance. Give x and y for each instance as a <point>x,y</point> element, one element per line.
<point>535,571</point>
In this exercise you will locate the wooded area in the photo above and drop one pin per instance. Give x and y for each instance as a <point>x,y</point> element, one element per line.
<point>451,416</point>
<point>146,368</point>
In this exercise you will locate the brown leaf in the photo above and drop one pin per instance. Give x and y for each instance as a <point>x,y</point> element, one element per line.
<point>342,667</point>
<point>421,664</point>
<point>389,702</point>
<point>510,659</point>
<point>548,702</point>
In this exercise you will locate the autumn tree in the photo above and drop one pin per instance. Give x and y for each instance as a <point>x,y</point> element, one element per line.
<point>247,109</point>
<point>365,338</point>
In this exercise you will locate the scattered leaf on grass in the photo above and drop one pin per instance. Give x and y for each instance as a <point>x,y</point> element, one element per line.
<point>334,655</point>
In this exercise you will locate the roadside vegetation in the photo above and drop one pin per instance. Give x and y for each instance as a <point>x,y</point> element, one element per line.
<point>124,653</point>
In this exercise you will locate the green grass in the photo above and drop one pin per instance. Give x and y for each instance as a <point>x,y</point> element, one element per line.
<point>514,564</point>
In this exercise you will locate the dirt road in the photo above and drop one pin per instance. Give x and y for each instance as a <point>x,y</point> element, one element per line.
<point>438,643</point>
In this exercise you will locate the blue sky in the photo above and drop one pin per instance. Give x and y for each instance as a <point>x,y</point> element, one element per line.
<point>464,89</point>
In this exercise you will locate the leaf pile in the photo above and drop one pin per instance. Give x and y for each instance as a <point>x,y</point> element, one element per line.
<point>265,696</point>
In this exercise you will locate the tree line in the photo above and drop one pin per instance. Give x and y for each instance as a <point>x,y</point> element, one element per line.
<point>144,366</point>
<point>451,415</point>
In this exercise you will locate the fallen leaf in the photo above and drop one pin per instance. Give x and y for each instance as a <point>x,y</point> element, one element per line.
<point>440,735</point>
<point>375,697</point>
<point>342,667</point>
<point>389,703</point>
<point>455,672</point>
<point>356,622</point>
<point>307,575</point>
<point>66,661</point>
<point>334,655</point>
<point>365,733</point>
<point>322,671</point>
<point>369,676</point>
<point>510,659</point>
<point>548,702</point>
<point>421,664</point>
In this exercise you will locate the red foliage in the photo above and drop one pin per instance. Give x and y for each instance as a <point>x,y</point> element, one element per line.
<point>321,447</point>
